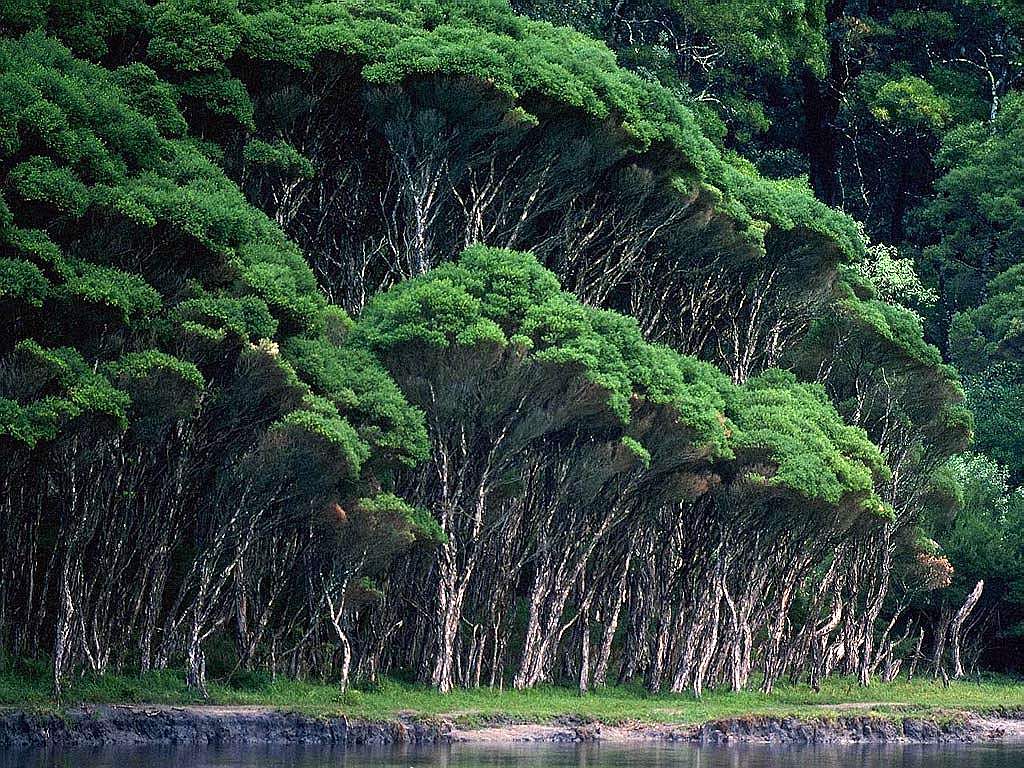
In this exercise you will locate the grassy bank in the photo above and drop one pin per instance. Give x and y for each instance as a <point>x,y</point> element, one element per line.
<point>24,688</point>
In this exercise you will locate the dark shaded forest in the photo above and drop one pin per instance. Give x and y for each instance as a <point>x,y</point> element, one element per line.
<point>655,342</point>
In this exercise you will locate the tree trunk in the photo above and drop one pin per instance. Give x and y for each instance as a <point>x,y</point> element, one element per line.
<point>610,627</point>
<point>956,628</point>
<point>195,669</point>
<point>822,99</point>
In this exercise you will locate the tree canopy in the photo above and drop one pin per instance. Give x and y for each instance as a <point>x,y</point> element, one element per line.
<point>431,337</point>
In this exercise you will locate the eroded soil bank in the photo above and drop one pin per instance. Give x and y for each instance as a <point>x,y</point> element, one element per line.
<point>138,724</point>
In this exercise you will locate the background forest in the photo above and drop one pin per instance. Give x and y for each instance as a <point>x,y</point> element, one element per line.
<point>670,343</point>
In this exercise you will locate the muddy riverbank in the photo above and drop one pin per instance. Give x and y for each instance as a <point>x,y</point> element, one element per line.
<point>139,724</point>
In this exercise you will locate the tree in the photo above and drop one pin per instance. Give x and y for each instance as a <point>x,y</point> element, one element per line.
<point>254,396</point>
<point>509,370</point>
<point>144,368</point>
<point>976,214</point>
<point>981,539</point>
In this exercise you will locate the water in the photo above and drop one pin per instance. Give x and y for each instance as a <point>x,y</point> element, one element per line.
<point>533,755</point>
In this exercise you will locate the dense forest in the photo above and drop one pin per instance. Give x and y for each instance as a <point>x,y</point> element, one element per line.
<point>673,343</point>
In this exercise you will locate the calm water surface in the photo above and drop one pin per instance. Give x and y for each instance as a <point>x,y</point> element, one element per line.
<point>517,756</point>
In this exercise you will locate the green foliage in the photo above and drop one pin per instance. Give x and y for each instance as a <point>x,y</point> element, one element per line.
<point>86,26</point>
<point>995,329</point>
<point>154,244</point>
<point>221,94</point>
<point>493,298</point>
<point>194,36</point>
<point>637,448</point>
<point>984,538</point>
<point>780,35</point>
<point>871,342</point>
<point>357,385</point>
<point>22,281</point>
<point>152,97</point>
<point>129,294</point>
<point>138,366</point>
<point>247,317</point>
<point>278,157</point>
<point>412,523</point>
<point>899,330</point>
<point>894,279</point>
<point>164,390</point>
<point>58,388</point>
<point>528,63</point>
<point>978,212</point>
<point>996,398</point>
<point>321,444</point>
<point>40,180</point>
<point>987,343</point>
<point>721,47</point>
<point>815,454</point>
<point>490,296</point>
<point>909,105</point>
<point>277,274</point>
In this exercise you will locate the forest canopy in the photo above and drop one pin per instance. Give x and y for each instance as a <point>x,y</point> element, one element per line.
<point>488,343</point>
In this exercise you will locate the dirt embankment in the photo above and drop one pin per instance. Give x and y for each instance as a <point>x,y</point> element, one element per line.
<point>106,725</point>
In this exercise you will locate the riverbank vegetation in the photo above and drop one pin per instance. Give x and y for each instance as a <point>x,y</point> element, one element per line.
<point>351,340</point>
<point>389,699</point>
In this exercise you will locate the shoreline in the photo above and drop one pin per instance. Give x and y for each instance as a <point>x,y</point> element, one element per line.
<point>151,725</point>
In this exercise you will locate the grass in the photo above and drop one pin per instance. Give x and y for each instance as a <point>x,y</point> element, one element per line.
<point>28,687</point>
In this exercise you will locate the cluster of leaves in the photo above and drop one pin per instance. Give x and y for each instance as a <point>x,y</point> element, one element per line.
<point>499,301</point>
<point>533,66</point>
<point>78,391</point>
<point>133,268</point>
<point>982,535</point>
<point>143,287</point>
<point>815,453</point>
<point>978,209</point>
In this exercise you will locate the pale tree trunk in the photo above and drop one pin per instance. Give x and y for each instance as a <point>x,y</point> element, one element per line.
<point>956,628</point>
<point>451,591</point>
<point>195,669</point>
<point>584,630</point>
<point>916,657</point>
<point>334,614</point>
<point>611,626</point>
<point>62,639</point>
<point>584,654</point>
<point>938,665</point>
<point>656,671</point>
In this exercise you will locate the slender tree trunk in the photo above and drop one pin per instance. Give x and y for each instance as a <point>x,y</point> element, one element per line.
<point>822,99</point>
<point>611,626</point>
<point>956,628</point>
<point>195,665</point>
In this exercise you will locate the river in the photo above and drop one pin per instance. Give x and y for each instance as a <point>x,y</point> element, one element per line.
<point>533,755</point>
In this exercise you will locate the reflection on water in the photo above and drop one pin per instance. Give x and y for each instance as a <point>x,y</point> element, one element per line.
<point>533,755</point>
